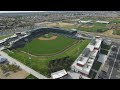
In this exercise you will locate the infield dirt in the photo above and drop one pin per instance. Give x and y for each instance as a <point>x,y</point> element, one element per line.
<point>51,38</point>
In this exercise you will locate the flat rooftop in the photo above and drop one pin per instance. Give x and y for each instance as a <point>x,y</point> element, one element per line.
<point>87,57</point>
<point>98,42</point>
<point>82,60</point>
<point>58,74</point>
<point>102,58</point>
<point>103,22</point>
<point>87,21</point>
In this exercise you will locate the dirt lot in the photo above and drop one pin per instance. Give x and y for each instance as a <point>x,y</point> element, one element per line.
<point>18,75</point>
<point>109,32</point>
<point>60,24</point>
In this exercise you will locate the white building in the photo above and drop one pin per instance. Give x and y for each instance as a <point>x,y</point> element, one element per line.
<point>84,62</point>
<point>59,74</point>
<point>88,21</point>
<point>98,42</point>
<point>104,22</point>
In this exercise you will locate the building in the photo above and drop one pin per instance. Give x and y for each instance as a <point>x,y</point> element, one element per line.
<point>107,42</point>
<point>102,58</point>
<point>88,21</point>
<point>104,22</point>
<point>85,60</point>
<point>59,74</point>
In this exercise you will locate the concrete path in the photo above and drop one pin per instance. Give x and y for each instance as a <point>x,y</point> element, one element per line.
<point>24,67</point>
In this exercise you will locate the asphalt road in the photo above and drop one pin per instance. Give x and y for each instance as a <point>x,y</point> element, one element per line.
<point>89,34</point>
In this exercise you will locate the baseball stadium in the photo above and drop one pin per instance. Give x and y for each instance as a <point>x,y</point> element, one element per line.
<point>44,45</point>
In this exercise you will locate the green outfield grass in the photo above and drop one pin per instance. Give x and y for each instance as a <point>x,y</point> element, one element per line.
<point>2,37</point>
<point>38,47</point>
<point>40,64</point>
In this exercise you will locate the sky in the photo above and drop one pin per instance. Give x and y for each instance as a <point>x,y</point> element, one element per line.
<point>19,11</point>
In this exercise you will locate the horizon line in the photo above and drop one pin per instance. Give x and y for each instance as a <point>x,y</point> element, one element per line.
<point>20,11</point>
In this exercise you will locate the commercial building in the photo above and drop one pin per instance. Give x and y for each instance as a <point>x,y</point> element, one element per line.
<point>59,74</point>
<point>107,42</point>
<point>88,21</point>
<point>102,58</point>
<point>104,22</point>
<point>85,60</point>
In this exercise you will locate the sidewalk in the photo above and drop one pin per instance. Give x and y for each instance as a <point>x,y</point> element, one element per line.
<point>29,70</point>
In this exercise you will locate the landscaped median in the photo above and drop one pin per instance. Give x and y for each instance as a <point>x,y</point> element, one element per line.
<point>40,64</point>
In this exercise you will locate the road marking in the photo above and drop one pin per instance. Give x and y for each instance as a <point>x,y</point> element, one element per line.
<point>114,63</point>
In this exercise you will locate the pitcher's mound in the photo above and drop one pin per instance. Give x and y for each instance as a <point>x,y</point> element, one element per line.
<point>51,38</point>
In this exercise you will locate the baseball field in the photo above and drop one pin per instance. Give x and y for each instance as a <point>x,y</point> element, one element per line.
<point>64,45</point>
<point>48,44</point>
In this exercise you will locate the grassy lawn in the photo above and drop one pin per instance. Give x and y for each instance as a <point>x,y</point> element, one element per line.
<point>116,32</point>
<point>115,20</point>
<point>40,64</point>
<point>96,27</point>
<point>38,47</point>
<point>31,77</point>
<point>2,37</point>
<point>96,65</point>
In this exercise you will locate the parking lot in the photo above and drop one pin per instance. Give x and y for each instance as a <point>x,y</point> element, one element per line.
<point>114,64</point>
